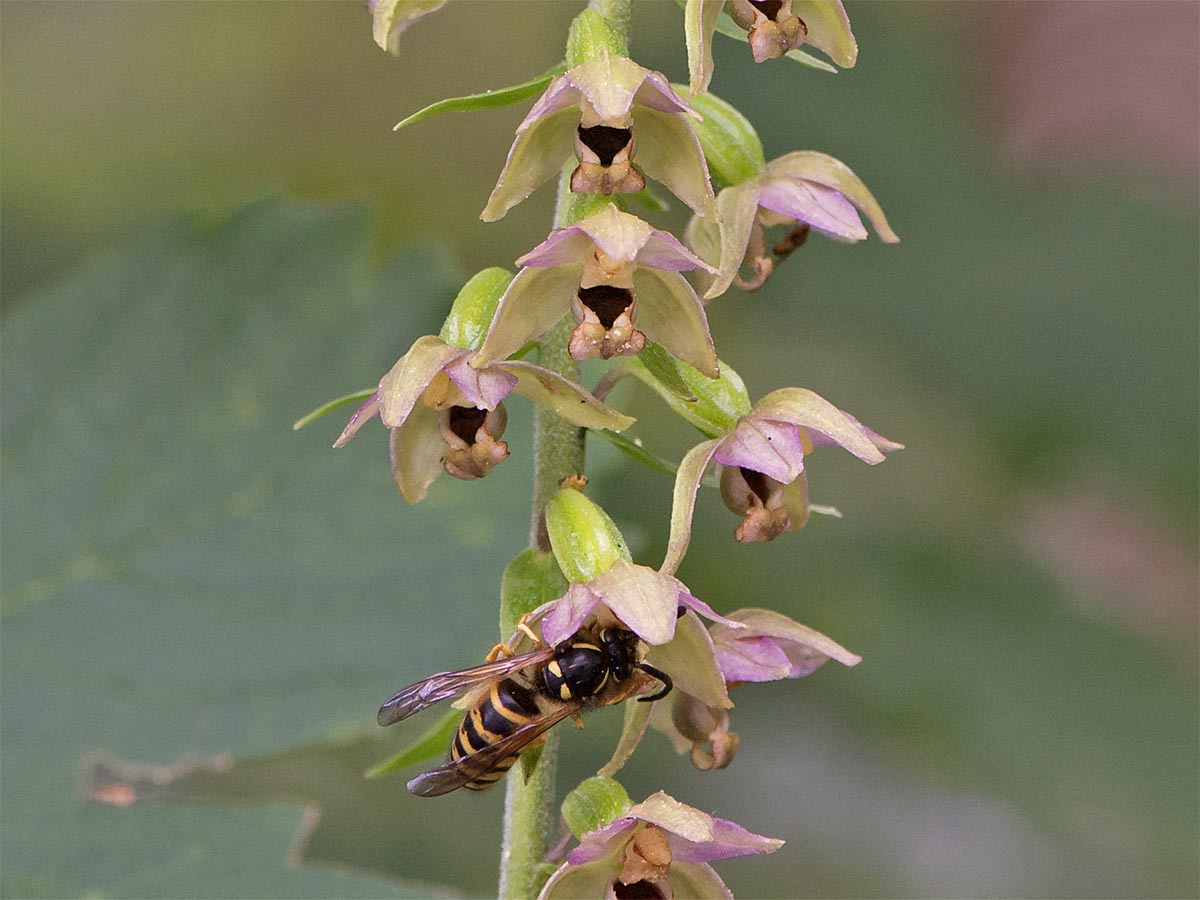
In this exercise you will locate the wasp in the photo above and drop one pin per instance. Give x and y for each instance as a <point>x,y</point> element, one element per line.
<point>516,700</point>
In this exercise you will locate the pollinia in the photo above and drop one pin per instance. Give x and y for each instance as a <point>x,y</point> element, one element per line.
<point>583,624</point>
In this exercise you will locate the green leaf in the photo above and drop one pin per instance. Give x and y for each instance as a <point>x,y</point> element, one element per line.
<point>432,744</point>
<point>491,99</point>
<point>344,400</point>
<point>633,448</point>
<point>719,402</point>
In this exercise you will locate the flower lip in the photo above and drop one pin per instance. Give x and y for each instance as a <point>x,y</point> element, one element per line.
<point>605,141</point>
<point>606,301</point>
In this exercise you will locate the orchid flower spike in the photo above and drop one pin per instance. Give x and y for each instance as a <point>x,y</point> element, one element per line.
<point>608,110</point>
<point>659,848</point>
<point>763,457</point>
<point>774,28</point>
<point>620,280</point>
<point>447,414</point>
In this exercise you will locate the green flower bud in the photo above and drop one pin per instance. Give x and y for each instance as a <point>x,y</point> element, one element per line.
<point>730,143</point>
<point>597,802</point>
<point>586,542</point>
<point>589,33</point>
<point>474,307</point>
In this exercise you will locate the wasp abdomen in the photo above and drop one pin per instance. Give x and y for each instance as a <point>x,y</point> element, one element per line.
<point>506,707</point>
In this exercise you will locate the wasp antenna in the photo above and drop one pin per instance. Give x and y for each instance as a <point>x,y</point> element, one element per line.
<point>662,676</point>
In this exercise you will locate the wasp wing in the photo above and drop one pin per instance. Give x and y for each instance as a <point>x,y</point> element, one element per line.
<point>462,771</point>
<point>435,688</point>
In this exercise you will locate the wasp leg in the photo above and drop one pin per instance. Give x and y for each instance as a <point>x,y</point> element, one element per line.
<point>501,649</point>
<point>578,720</point>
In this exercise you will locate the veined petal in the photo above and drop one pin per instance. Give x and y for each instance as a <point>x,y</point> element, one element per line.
<point>483,388</point>
<point>691,659</point>
<point>535,157</point>
<point>768,623</point>
<point>753,659</point>
<point>408,378</point>
<point>645,600</point>
<point>657,92</point>
<point>828,29</point>
<point>361,416</point>
<point>663,810</point>
<point>671,314</point>
<point>568,612</point>
<point>728,840</point>
<point>608,82</point>
<point>683,504</point>
<point>737,207</point>
<point>824,208</point>
<point>699,23</point>
<point>565,397</point>
<point>669,152</point>
<point>820,168</point>
<point>560,94</point>
<point>767,446</point>
<point>623,237</point>
<point>417,450</point>
<point>810,411</point>
<point>532,305</point>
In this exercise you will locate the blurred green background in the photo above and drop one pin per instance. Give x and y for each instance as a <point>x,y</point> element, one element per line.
<point>209,228</point>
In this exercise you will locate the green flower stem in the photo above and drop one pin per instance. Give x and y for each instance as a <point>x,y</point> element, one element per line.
<point>558,453</point>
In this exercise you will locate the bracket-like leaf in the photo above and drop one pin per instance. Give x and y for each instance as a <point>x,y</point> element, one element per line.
<point>486,100</point>
<point>431,744</point>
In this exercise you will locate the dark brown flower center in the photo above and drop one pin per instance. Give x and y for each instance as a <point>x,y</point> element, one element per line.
<point>465,421</point>
<point>605,141</point>
<point>639,890</point>
<point>759,483</point>
<point>606,301</point>
<point>769,8</point>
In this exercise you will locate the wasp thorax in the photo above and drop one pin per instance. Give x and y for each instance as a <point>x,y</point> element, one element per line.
<point>605,316</point>
<point>472,437</point>
<point>773,28</point>
<point>758,499</point>
<point>578,671</point>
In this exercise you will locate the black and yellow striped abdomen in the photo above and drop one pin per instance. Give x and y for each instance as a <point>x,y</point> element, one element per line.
<point>502,710</point>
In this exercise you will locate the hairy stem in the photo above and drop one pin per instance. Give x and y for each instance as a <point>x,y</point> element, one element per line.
<point>558,453</point>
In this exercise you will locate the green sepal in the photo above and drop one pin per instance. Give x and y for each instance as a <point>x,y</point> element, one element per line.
<point>474,308</point>
<point>531,579</point>
<point>591,32</point>
<point>718,404</point>
<point>486,100</point>
<point>596,802</point>
<point>732,148</point>
<point>346,400</point>
<point>431,744</point>
<point>586,542</point>
<point>667,370</point>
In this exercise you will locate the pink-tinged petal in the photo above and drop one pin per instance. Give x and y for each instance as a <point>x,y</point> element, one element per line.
<point>483,388</point>
<point>768,623</point>
<point>362,415</point>
<point>825,209</point>
<point>569,612</point>
<point>642,598</point>
<point>565,397</point>
<point>885,444</point>
<point>828,30</point>
<point>671,314</point>
<point>664,251</point>
<point>696,605</point>
<point>608,82</point>
<point>533,304</point>
<point>563,246</point>
<point>400,388</point>
<point>815,414</point>
<point>699,23</point>
<point>752,659</point>
<point>603,841</point>
<point>535,157</point>
<point>738,207</point>
<point>560,94</point>
<point>795,498</point>
<point>773,448</point>
<point>656,93</point>
<point>728,840</point>
<point>679,819</point>
<point>822,169</point>
<point>692,661</point>
<point>570,882</point>
<point>692,879</point>
<point>683,503</point>
<point>417,450</point>
<point>390,18</point>
<point>669,152</point>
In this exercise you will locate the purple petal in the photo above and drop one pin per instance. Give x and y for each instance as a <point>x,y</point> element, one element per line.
<point>601,842</point>
<point>564,245</point>
<point>568,613</point>
<point>656,93</point>
<point>773,448</point>
<point>695,604</point>
<point>728,840</point>
<point>559,94</point>
<point>362,415</point>
<point>483,388</point>
<point>664,251</point>
<point>825,209</point>
<point>752,659</point>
